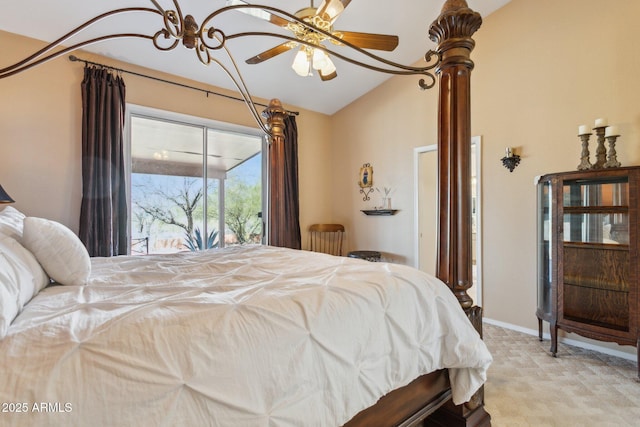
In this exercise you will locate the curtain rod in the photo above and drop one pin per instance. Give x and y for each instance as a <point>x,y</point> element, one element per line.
<point>74,58</point>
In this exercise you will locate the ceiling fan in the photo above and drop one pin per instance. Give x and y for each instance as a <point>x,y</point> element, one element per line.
<point>308,57</point>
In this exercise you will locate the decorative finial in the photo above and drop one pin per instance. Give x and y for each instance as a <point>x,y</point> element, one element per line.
<point>452,5</point>
<point>275,114</point>
<point>276,104</point>
<point>456,24</point>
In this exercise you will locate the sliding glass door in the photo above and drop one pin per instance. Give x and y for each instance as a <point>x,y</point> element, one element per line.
<point>194,184</point>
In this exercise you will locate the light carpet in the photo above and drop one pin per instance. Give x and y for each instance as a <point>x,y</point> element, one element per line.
<point>528,387</point>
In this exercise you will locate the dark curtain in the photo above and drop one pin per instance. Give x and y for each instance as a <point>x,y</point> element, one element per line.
<point>284,202</point>
<point>103,213</point>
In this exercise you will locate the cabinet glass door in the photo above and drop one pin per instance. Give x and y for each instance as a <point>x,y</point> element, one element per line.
<point>545,201</point>
<point>596,212</point>
<point>595,253</point>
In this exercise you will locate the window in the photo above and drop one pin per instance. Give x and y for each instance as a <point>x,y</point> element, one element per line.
<point>194,183</point>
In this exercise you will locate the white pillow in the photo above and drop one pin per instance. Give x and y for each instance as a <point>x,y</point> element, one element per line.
<point>58,249</point>
<point>21,278</point>
<point>11,222</point>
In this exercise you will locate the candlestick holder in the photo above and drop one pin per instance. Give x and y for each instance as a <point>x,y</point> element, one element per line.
<point>612,157</point>
<point>585,164</point>
<point>601,151</point>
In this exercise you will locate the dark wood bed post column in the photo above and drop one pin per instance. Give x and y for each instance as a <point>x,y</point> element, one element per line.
<point>275,114</point>
<point>452,32</point>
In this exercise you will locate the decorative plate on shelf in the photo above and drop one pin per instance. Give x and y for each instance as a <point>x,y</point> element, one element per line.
<point>380,212</point>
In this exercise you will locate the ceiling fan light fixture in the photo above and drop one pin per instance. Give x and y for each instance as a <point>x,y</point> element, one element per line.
<point>311,27</point>
<point>329,68</point>
<point>301,63</point>
<point>306,13</point>
<point>320,59</point>
<point>330,10</point>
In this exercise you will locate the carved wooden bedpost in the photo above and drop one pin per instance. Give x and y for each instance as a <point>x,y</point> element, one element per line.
<point>452,32</point>
<point>275,114</point>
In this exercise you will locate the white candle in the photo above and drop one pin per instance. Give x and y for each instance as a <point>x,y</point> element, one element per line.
<point>600,123</point>
<point>583,130</point>
<point>611,131</point>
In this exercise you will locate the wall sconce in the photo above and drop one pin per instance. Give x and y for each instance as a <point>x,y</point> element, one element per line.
<point>4,197</point>
<point>510,160</point>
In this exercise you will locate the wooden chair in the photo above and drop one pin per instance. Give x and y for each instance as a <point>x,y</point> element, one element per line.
<point>326,238</point>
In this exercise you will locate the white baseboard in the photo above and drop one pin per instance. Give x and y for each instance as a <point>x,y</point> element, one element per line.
<point>569,341</point>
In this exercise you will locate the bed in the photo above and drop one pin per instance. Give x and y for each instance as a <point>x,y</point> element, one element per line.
<point>250,336</point>
<point>147,341</point>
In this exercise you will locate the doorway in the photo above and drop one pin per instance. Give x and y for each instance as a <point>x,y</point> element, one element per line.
<point>425,187</point>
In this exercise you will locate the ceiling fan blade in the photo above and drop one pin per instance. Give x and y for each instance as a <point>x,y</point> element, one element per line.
<point>268,54</point>
<point>260,13</point>
<point>370,41</point>
<point>332,9</point>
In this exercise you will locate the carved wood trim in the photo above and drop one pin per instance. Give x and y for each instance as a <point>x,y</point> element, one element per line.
<point>407,405</point>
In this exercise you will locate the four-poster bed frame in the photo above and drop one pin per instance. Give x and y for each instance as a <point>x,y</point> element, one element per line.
<point>427,400</point>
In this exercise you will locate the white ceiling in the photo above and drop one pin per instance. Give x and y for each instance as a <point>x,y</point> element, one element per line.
<point>409,19</point>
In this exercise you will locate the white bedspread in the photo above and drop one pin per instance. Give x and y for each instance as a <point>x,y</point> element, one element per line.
<point>256,336</point>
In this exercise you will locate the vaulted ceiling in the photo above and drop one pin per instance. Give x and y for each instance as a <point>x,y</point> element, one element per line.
<point>274,78</point>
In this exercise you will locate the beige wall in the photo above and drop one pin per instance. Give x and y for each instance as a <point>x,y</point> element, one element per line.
<point>382,129</point>
<point>40,132</point>
<point>542,68</point>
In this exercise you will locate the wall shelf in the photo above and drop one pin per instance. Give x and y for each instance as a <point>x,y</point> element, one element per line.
<point>380,212</point>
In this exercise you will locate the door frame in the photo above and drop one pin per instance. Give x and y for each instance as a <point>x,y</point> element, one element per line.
<point>417,151</point>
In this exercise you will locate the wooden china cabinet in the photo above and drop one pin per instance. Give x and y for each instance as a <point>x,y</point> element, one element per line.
<point>588,255</point>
